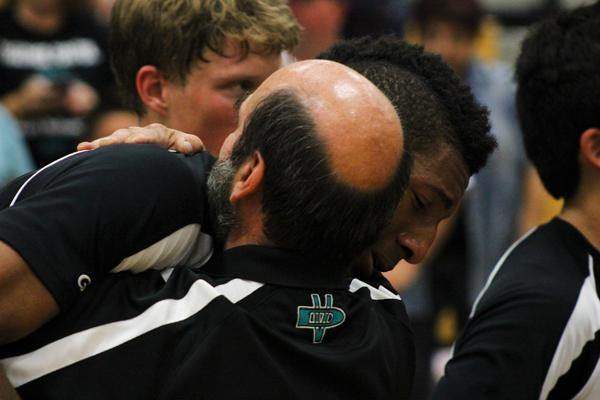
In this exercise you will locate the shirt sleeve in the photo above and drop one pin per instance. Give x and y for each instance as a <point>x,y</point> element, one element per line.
<point>78,218</point>
<point>506,347</point>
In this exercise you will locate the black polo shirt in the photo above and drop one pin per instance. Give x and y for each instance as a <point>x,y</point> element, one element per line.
<point>534,332</point>
<point>256,323</point>
<point>116,208</point>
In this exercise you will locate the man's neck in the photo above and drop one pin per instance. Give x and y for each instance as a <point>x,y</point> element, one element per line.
<point>584,214</point>
<point>236,239</point>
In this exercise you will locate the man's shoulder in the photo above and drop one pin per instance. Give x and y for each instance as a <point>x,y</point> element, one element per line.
<point>188,319</point>
<point>540,251</point>
<point>126,153</point>
<point>149,299</point>
<point>125,164</point>
<point>539,268</point>
<point>117,317</point>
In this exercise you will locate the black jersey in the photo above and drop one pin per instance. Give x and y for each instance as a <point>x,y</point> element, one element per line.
<point>253,323</point>
<point>534,330</point>
<point>107,210</point>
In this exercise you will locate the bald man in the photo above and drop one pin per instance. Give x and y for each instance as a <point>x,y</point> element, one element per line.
<point>277,315</point>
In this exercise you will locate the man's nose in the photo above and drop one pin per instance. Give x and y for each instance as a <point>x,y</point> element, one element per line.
<point>416,246</point>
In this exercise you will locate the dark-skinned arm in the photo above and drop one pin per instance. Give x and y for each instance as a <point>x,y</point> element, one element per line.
<point>69,225</point>
<point>25,304</point>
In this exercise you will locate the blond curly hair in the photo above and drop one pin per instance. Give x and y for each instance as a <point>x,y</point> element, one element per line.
<point>172,35</point>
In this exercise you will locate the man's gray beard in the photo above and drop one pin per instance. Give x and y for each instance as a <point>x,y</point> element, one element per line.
<point>219,185</point>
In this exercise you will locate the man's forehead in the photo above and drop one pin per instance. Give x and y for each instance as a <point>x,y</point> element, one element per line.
<point>235,50</point>
<point>444,172</point>
<point>234,63</point>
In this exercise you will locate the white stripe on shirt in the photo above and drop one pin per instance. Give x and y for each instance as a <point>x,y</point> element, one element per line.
<point>581,327</point>
<point>496,269</point>
<point>14,200</point>
<point>81,345</point>
<point>376,294</point>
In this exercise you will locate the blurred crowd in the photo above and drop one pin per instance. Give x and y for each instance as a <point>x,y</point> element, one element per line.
<point>55,79</point>
<point>56,89</point>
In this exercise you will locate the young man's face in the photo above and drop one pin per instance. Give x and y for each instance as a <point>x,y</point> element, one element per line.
<point>437,184</point>
<point>205,105</point>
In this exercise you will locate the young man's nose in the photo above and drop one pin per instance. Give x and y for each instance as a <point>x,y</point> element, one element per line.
<point>416,247</point>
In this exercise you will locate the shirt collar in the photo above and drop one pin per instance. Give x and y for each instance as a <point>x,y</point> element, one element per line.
<point>575,239</point>
<point>278,266</point>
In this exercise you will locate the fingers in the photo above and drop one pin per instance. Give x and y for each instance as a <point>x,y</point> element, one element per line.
<point>102,142</point>
<point>151,134</point>
<point>165,137</point>
<point>187,144</point>
<point>117,137</point>
<point>86,146</point>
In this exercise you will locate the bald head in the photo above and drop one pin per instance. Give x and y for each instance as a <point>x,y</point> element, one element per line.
<point>331,148</point>
<point>356,122</point>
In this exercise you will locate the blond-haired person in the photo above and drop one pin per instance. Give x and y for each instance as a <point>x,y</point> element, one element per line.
<point>184,63</point>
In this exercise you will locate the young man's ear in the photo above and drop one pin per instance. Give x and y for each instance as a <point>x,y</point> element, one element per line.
<point>589,145</point>
<point>150,86</point>
<point>249,178</point>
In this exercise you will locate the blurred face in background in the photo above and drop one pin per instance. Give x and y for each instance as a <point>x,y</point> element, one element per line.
<point>103,9</point>
<point>44,6</point>
<point>450,40</point>
<point>322,20</point>
<point>52,8</point>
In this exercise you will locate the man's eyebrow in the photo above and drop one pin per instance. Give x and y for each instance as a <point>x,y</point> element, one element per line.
<point>241,99</point>
<point>443,196</point>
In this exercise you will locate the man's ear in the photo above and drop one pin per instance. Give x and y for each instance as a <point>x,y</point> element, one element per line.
<point>589,145</point>
<point>150,86</point>
<point>248,179</point>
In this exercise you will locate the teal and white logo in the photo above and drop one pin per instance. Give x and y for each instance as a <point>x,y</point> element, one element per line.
<point>319,318</point>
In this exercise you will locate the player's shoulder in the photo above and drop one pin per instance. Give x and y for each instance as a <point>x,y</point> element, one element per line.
<point>121,168</point>
<point>384,300</point>
<point>540,251</point>
<point>540,266</point>
<point>145,160</point>
<point>137,152</point>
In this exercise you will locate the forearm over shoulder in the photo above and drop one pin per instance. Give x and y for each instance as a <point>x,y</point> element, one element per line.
<point>25,303</point>
<point>70,223</point>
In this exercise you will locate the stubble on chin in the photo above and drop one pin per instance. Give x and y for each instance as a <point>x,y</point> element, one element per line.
<point>220,180</point>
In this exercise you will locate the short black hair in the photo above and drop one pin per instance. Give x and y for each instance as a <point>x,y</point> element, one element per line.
<point>558,94</point>
<point>467,14</point>
<point>434,106</point>
<point>306,207</point>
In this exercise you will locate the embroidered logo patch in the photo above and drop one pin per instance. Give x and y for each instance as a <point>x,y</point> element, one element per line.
<point>319,318</point>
